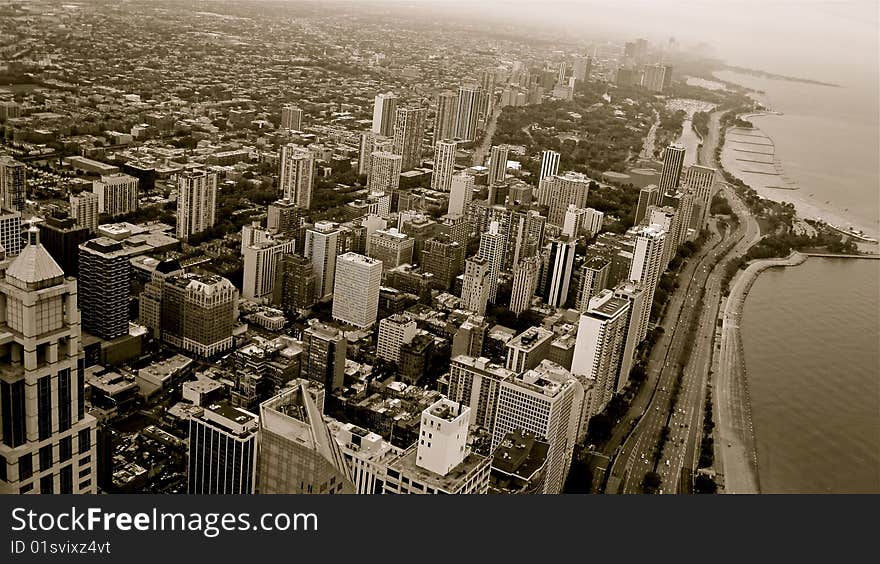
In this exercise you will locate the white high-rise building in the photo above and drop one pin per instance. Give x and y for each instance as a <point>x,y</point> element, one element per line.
<point>467,112</point>
<point>492,246</point>
<point>443,436</point>
<point>647,266</point>
<point>196,202</point>
<point>635,295</point>
<point>526,275</point>
<point>599,347</point>
<point>384,112</point>
<point>291,117</point>
<point>549,165</point>
<point>384,175</point>
<point>460,194</point>
<point>648,196</point>
<point>546,401</point>
<point>498,163</point>
<point>117,194</point>
<point>476,382</point>
<point>475,287</point>
<point>84,210</point>
<point>444,166</point>
<point>445,121</point>
<point>13,184</point>
<point>48,442</point>
<point>701,180</point>
<point>560,266</point>
<point>409,130</point>
<point>395,331</point>
<point>297,174</point>
<point>320,247</point>
<point>356,289</point>
<point>260,262</point>
<point>670,174</point>
<point>561,190</point>
<point>593,220</point>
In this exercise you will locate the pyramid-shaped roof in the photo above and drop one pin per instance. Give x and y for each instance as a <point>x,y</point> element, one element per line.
<point>34,264</point>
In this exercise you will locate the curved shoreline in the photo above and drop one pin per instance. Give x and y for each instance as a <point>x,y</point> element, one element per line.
<point>735,451</point>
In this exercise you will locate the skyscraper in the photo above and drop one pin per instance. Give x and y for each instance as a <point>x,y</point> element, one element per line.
<point>298,454</point>
<point>391,247</point>
<point>196,202</point>
<point>460,193</point>
<point>294,287</point>
<point>394,331</point>
<point>84,210</point>
<point>286,219</point>
<point>701,180</point>
<point>549,165</point>
<point>356,289</point>
<point>104,272</point>
<point>475,288</point>
<point>498,163</point>
<point>467,112</point>
<point>647,266</point>
<point>384,175</point>
<point>445,120</point>
<point>492,246</point>
<point>563,190</point>
<point>117,194</point>
<point>62,238</point>
<point>444,166</point>
<point>10,231</point>
<point>593,279</point>
<point>291,117</point>
<point>48,441</point>
<point>444,258</point>
<point>656,77</point>
<point>320,247</point>
<point>670,174</point>
<point>648,196</point>
<point>222,451</point>
<point>526,275</point>
<point>324,355</point>
<point>297,175</point>
<point>559,268</point>
<point>13,184</point>
<point>384,112</point>
<point>260,264</point>
<point>409,130</point>
<point>635,295</point>
<point>546,401</point>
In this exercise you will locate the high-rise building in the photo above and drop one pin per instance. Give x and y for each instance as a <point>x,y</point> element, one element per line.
<point>475,382</point>
<point>562,191</point>
<point>526,350</point>
<point>384,112</point>
<point>117,194</point>
<point>461,193</point>
<point>298,454</point>
<point>656,77</point>
<point>297,174</point>
<point>559,269</point>
<point>593,279</point>
<point>701,180</point>
<point>384,175</point>
<point>356,289</point>
<point>294,287</point>
<point>445,119</point>
<point>409,130</point>
<point>104,272</point>
<point>444,165</point>
<point>222,456</point>
<point>48,440</point>
<point>498,163</point>
<point>442,257</point>
<point>291,117</point>
<point>599,348</point>
<point>492,247</point>
<point>582,68</point>
<point>670,174</point>
<point>260,265</point>
<point>549,165</point>
<point>10,232</point>
<point>648,196</point>
<point>13,184</point>
<point>286,219</point>
<point>84,210</point>
<point>526,275</point>
<point>62,238</point>
<point>475,288</point>
<point>320,246</point>
<point>196,202</point>
<point>546,401</point>
<point>647,266</point>
<point>467,112</point>
<point>635,295</point>
<point>394,331</point>
<point>324,355</point>
<point>391,247</point>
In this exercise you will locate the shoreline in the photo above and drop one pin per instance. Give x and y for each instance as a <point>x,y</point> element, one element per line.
<point>735,446</point>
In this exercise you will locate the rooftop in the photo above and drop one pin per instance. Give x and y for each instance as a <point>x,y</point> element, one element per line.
<point>406,465</point>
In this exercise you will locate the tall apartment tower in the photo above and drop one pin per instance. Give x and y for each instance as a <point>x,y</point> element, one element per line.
<point>559,268</point>
<point>467,112</point>
<point>526,275</point>
<point>549,165</point>
<point>670,174</point>
<point>260,265</point>
<point>48,441</point>
<point>444,165</point>
<point>196,202</point>
<point>384,175</point>
<point>297,174</point>
<point>13,184</point>
<point>62,238</point>
<point>394,331</point>
<point>298,454</point>
<point>648,196</point>
<point>222,458</point>
<point>635,295</point>
<point>701,180</point>
<point>475,382</point>
<point>599,346</point>
<point>546,401</point>
<point>475,288</point>
<point>498,163</point>
<point>117,194</point>
<point>593,279</point>
<point>492,247</point>
<point>445,120</point>
<point>562,191</point>
<point>104,273</point>
<point>291,117</point>
<point>391,247</point>
<point>324,355</point>
<point>461,193</point>
<point>384,112</point>
<point>356,289</point>
<point>84,210</point>
<point>647,266</point>
<point>409,130</point>
<point>444,258</point>
<point>320,247</point>
<point>294,288</point>
<point>286,219</point>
